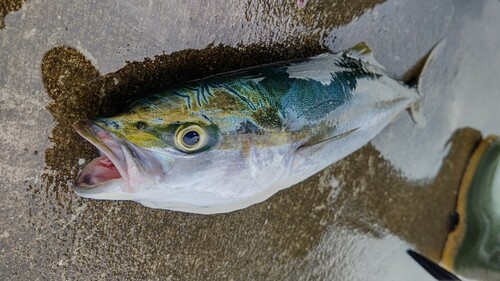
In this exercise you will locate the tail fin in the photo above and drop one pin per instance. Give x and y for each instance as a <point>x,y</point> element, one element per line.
<point>412,78</point>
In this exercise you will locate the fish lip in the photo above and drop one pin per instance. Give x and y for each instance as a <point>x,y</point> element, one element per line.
<point>110,147</point>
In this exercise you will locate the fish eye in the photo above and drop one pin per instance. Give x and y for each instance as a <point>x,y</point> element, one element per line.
<point>191,138</point>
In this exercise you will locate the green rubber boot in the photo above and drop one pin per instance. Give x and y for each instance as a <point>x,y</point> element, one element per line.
<point>473,248</point>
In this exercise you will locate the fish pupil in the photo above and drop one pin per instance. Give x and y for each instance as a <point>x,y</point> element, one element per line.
<point>191,138</point>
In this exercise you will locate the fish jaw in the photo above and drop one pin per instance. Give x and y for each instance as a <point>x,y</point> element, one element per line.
<point>108,167</point>
<point>119,172</point>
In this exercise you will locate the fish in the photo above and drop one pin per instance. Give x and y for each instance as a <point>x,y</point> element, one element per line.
<point>228,141</point>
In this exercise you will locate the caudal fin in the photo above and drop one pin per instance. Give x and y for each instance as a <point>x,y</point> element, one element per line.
<point>413,79</point>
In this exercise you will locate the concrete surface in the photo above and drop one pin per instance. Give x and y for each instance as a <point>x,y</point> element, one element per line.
<point>353,221</point>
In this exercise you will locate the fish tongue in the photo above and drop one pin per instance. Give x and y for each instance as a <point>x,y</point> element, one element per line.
<point>99,170</point>
<point>110,165</point>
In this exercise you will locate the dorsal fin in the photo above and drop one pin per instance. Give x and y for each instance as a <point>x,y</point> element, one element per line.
<point>362,52</point>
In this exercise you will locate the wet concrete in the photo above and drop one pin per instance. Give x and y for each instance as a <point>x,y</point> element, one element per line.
<point>7,6</point>
<point>353,221</point>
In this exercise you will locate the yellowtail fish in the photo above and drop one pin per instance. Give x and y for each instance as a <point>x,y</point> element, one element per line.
<point>231,140</point>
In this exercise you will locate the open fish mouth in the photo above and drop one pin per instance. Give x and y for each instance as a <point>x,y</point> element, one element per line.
<point>108,169</point>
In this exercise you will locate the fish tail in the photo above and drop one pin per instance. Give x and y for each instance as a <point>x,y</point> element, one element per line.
<point>414,78</point>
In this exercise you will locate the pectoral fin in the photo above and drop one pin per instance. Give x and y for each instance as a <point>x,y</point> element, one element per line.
<point>314,142</point>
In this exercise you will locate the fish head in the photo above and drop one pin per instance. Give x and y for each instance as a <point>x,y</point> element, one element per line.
<point>172,156</point>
